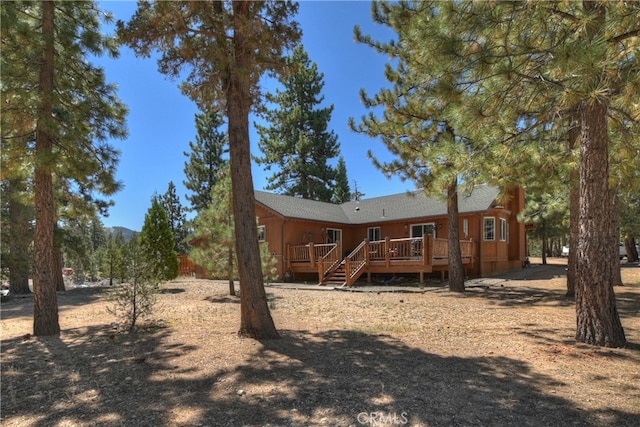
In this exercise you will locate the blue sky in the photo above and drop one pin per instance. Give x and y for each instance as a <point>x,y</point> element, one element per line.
<point>161,120</point>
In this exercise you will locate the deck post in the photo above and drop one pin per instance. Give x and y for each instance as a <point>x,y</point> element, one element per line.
<point>321,272</point>
<point>367,251</point>
<point>347,271</point>
<point>427,248</point>
<point>312,254</point>
<point>387,251</point>
<point>288,261</point>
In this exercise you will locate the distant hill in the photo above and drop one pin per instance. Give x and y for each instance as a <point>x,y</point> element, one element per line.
<point>126,233</point>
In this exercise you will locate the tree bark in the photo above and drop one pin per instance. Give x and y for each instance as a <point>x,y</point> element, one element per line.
<point>456,269</point>
<point>255,318</point>
<point>45,299</point>
<point>598,322</point>
<point>232,286</point>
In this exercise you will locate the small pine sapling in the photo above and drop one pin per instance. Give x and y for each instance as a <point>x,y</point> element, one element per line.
<point>135,298</point>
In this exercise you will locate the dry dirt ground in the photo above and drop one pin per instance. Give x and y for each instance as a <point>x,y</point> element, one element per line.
<point>503,354</point>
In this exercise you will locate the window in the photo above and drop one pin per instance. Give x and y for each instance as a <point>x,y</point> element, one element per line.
<point>504,230</point>
<point>465,227</point>
<point>490,228</point>
<point>262,233</point>
<point>418,230</point>
<point>373,234</point>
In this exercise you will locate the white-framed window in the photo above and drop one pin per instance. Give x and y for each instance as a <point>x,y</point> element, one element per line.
<point>504,230</point>
<point>373,234</point>
<point>262,233</point>
<point>418,230</point>
<point>489,228</point>
<point>465,227</point>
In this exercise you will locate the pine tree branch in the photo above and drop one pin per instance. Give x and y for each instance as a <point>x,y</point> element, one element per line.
<point>621,37</point>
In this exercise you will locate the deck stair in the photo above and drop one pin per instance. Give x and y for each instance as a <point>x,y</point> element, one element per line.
<point>337,277</point>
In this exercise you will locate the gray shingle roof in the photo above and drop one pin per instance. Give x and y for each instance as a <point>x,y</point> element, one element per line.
<point>396,207</point>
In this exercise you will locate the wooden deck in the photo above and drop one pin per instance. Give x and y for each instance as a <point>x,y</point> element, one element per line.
<point>406,255</point>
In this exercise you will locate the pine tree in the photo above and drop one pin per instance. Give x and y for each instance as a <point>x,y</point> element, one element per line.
<point>111,257</point>
<point>61,105</point>
<point>342,191</point>
<point>226,47</point>
<point>420,110</point>
<point>135,298</point>
<point>81,240</point>
<point>157,243</point>
<point>176,218</point>
<point>17,233</point>
<point>296,139</point>
<point>214,229</point>
<point>575,66</point>
<point>205,159</point>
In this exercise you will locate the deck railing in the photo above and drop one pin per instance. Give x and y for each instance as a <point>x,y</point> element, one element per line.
<point>441,248</point>
<point>466,248</point>
<point>328,262</point>
<point>309,253</point>
<point>355,262</point>
<point>326,258</point>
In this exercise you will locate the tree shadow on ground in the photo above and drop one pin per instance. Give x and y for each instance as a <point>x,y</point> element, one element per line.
<point>172,291</point>
<point>221,299</point>
<point>22,305</point>
<point>271,299</point>
<point>507,295</point>
<point>332,378</point>
<point>537,272</point>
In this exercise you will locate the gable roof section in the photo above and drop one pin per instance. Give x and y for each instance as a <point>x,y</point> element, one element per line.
<point>396,207</point>
<point>298,208</point>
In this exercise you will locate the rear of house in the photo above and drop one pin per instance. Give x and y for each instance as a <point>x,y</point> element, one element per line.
<point>401,233</point>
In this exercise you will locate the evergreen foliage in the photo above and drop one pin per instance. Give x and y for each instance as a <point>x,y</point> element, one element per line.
<point>571,76</point>
<point>135,298</point>
<point>214,232</point>
<point>58,113</point>
<point>113,256</point>
<point>156,242</point>
<point>296,140</point>
<point>225,49</point>
<point>205,159</point>
<point>17,233</point>
<point>83,240</point>
<point>176,218</point>
<point>420,117</point>
<point>341,191</point>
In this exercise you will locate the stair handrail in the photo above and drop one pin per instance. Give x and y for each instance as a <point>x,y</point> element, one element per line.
<point>356,261</point>
<point>331,257</point>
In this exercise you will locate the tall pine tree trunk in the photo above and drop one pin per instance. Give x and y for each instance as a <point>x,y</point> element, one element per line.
<point>255,318</point>
<point>456,269</point>
<point>45,299</point>
<point>598,322</point>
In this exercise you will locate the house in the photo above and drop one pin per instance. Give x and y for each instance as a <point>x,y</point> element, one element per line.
<point>401,233</point>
